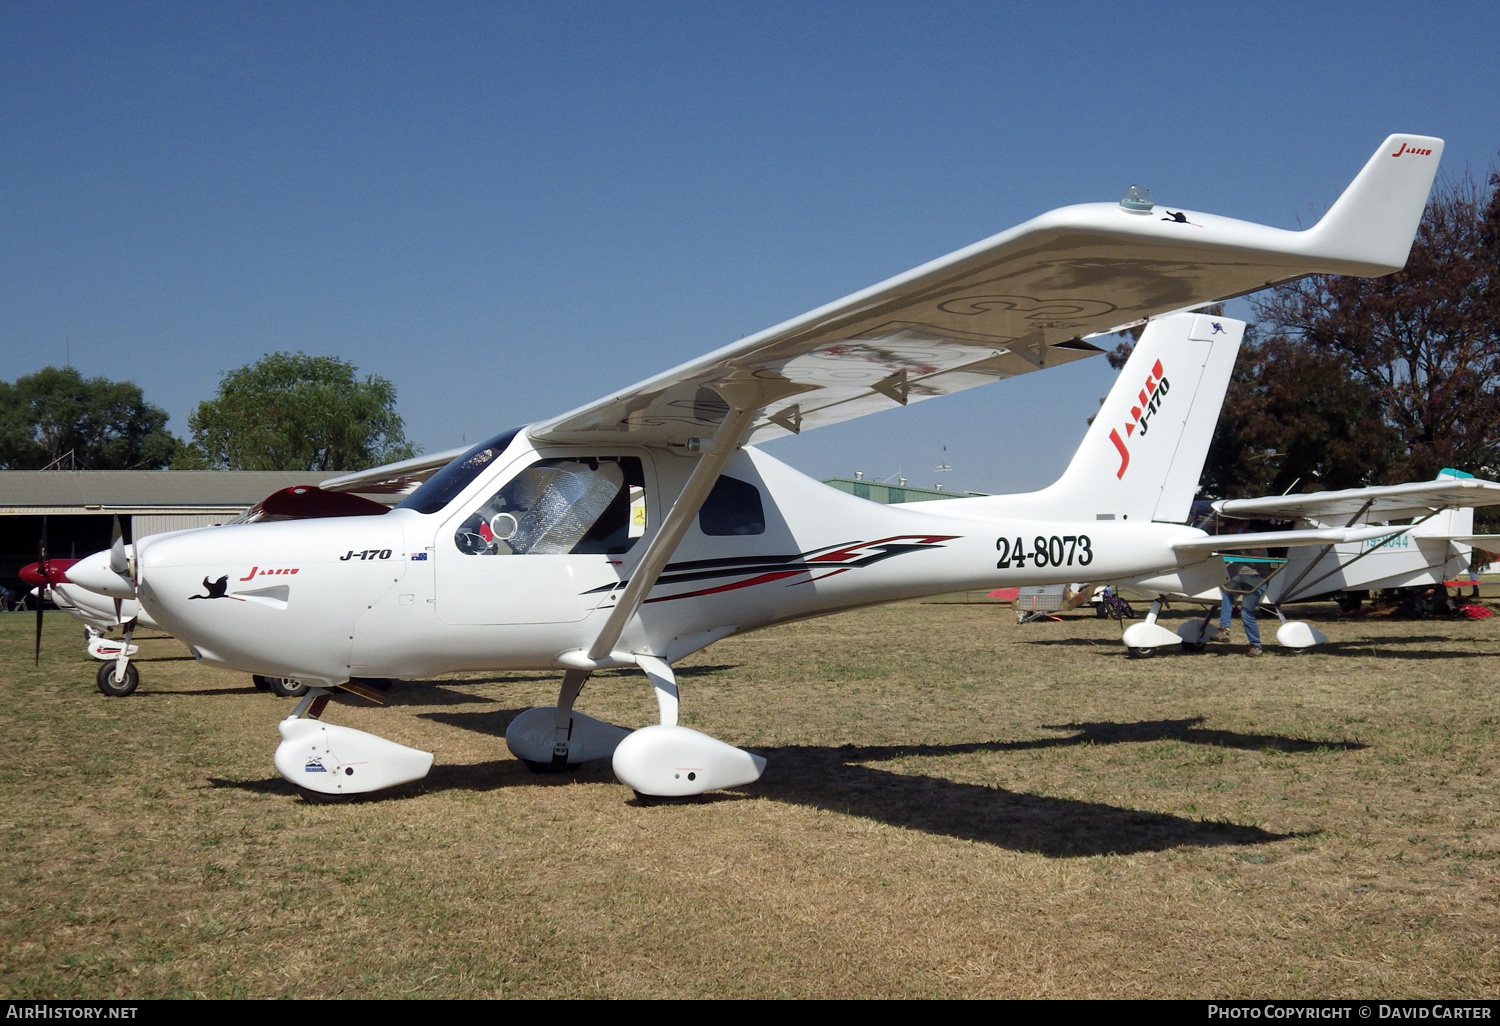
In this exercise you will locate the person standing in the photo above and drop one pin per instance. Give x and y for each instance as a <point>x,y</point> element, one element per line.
<point>1247,581</point>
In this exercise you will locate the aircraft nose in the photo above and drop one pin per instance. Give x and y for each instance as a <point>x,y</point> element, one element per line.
<point>56,572</point>
<point>94,573</point>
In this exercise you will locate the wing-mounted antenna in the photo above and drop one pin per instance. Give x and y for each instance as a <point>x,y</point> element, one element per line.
<point>746,396</point>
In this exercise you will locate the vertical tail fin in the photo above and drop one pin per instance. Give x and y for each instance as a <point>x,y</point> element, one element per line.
<point>1450,523</point>
<point>1144,453</point>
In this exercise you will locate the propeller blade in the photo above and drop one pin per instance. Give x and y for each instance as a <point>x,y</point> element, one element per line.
<point>117,559</point>
<point>42,567</point>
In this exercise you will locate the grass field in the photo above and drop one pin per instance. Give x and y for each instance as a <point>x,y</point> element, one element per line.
<point>955,805</point>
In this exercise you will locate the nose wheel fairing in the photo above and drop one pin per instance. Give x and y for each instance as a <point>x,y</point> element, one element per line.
<point>331,759</point>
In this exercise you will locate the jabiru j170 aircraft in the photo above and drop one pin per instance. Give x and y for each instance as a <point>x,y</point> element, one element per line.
<point>645,526</point>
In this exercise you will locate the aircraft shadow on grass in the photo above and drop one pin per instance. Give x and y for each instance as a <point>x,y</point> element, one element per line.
<point>827,778</point>
<point>835,778</point>
<point>840,779</point>
<point>1054,827</point>
<point>549,677</point>
<point>1383,648</point>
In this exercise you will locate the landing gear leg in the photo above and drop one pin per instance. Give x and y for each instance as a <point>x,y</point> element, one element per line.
<point>562,724</point>
<point>665,683</point>
<point>556,739</point>
<point>672,761</point>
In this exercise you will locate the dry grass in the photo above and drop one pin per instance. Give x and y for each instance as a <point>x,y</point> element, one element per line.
<point>955,806</point>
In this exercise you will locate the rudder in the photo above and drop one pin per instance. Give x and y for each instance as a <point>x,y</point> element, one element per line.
<point>1143,455</point>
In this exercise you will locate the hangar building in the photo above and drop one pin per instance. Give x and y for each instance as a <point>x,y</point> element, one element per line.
<point>80,506</point>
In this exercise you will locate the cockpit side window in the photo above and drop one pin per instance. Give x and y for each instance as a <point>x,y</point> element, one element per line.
<point>558,506</point>
<point>733,507</point>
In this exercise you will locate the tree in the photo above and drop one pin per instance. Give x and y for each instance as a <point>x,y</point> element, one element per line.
<point>58,416</point>
<point>291,411</point>
<point>1296,419</point>
<point>1424,341</point>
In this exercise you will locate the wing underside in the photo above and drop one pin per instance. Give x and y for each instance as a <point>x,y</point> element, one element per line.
<point>1020,301</point>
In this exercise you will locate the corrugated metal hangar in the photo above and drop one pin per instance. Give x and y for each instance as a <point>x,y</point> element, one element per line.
<point>80,506</point>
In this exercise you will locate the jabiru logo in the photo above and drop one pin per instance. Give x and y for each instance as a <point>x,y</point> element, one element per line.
<point>1155,390</point>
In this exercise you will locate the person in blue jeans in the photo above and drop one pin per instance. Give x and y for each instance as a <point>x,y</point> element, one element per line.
<point>1248,583</point>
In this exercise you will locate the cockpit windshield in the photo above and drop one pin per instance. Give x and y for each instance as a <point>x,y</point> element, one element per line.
<point>439,489</point>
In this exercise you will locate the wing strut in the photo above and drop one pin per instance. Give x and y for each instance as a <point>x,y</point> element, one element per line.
<point>1289,596</point>
<point>745,399</point>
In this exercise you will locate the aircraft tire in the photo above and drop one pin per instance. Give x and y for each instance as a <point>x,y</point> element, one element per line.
<point>1141,653</point>
<point>546,768</point>
<point>105,678</point>
<point>281,687</point>
<point>654,800</point>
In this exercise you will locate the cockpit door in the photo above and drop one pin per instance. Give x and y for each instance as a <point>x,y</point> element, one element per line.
<point>548,545</point>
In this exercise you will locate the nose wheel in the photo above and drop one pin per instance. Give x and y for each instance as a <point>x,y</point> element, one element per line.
<point>281,687</point>
<point>117,683</point>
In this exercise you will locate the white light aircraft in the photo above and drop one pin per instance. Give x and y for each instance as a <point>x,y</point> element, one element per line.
<point>96,590</point>
<point>645,526</point>
<point>1414,535</point>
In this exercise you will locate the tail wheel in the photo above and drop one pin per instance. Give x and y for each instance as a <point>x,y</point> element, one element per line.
<point>1141,653</point>
<point>281,687</point>
<point>105,678</point>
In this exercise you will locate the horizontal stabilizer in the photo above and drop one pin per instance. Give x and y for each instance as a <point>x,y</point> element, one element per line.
<point>1284,539</point>
<point>1487,542</point>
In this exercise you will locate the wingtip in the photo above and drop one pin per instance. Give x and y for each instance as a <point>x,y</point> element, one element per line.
<point>1371,227</point>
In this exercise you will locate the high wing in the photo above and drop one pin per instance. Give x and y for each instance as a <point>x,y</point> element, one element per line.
<point>1384,502</point>
<point>1019,301</point>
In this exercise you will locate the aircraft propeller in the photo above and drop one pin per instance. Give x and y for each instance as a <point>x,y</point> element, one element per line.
<point>118,561</point>
<point>47,579</point>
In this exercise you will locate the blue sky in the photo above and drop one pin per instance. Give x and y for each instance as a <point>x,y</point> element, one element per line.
<point>511,209</point>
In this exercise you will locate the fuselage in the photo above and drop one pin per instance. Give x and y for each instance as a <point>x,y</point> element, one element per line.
<point>518,567</point>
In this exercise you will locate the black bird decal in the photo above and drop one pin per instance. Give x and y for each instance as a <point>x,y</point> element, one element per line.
<point>215,590</point>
